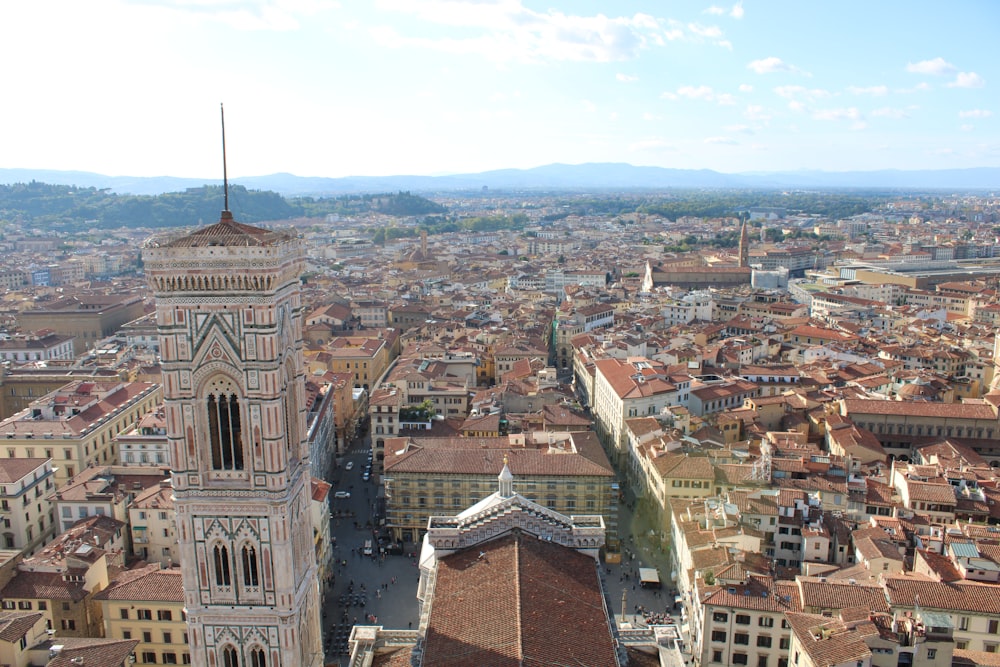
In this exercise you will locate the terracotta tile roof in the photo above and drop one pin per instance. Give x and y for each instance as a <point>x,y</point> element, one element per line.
<point>42,586</point>
<point>523,602</point>
<point>903,589</point>
<point>818,594</point>
<point>942,494</point>
<point>150,583</point>
<point>940,566</point>
<point>877,493</point>
<point>855,406</point>
<point>624,378</point>
<point>484,456</point>
<point>15,624</point>
<point>829,641</point>
<point>748,503</point>
<point>966,658</point>
<point>93,652</point>
<point>228,232</point>
<point>682,466</point>
<point>759,594</point>
<point>400,657</point>
<point>160,496</point>
<point>12,470</point>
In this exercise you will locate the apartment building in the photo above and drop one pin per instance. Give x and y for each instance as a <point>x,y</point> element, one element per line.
<point>86,318</point>
<point>629,388</point>
<point>566,472</point>
<point>146,444</point>
<point>44,345</point>
<point>147,604</point>
<point>28,517</point>
<point>76,425</point>
<point>153,524</point>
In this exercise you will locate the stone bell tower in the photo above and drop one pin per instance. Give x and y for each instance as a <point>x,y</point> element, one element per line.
<point>228,310</point>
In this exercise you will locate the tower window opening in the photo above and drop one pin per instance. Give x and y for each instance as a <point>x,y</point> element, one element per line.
<point>223,574</point>
<point>229,657</point>
<point>250,570</point>
<point>225,432</point>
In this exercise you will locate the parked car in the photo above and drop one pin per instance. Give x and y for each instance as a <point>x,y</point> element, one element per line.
<point>342,494</point>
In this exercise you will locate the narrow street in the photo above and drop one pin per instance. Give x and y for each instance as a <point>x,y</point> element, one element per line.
<point>384,586</point>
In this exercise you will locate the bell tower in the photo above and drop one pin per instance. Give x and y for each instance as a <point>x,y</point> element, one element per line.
<point>229,316</point>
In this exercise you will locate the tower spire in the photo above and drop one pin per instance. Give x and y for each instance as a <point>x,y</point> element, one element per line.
<point>225,178</point>
<point>506,479</point>
<point>744,244</point>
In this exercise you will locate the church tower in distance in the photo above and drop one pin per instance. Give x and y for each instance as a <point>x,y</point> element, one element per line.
<point>744,246</point>
<point>228,309</point>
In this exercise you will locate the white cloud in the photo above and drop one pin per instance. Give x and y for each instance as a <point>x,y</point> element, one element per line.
<point>921,87</point>
<point>703,93</point>
<point>874,91</point>
<point>801,93</point>
<point>773,64</point>
<point>849,113</point>
<point>588,106</point>
<point>508,31</point>
<point>710,31</point>
<point>746,88</point>
<point>729,141</point>
<point>756,112</point>
<point>276,15</point>
<point>889,112</point>
<point>967,127</point>
<point>696,93</point>
<point>735,12</point>
<point>937,66</point>
<point>967,80</point>
<point>744,129</point>
<point>626,78</point>
<point>650,117</point>
<point>975,113</point>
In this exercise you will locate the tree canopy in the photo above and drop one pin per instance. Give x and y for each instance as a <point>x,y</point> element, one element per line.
<point>49,205</point>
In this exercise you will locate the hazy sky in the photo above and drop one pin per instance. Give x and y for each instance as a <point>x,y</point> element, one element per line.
<point>380,87</point>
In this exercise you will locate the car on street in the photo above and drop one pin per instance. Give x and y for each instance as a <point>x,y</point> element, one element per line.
<point>367,476</point>
<point>350,465</point>
<point>342,494</point>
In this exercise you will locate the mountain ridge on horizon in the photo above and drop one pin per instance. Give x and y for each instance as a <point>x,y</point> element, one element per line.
<point>558,176</point>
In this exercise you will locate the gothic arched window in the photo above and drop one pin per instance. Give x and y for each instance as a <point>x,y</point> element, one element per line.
<point>229,657</point>
<point>257,658</point>
<point>223,576</point>
<point>250,569</point>
<point>225,432</point>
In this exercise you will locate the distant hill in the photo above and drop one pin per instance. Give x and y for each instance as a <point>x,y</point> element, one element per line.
<point>592,176</point>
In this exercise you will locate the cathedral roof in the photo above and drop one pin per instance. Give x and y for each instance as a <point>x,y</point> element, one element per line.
<point>228,232</point>
<point>518,600</point>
